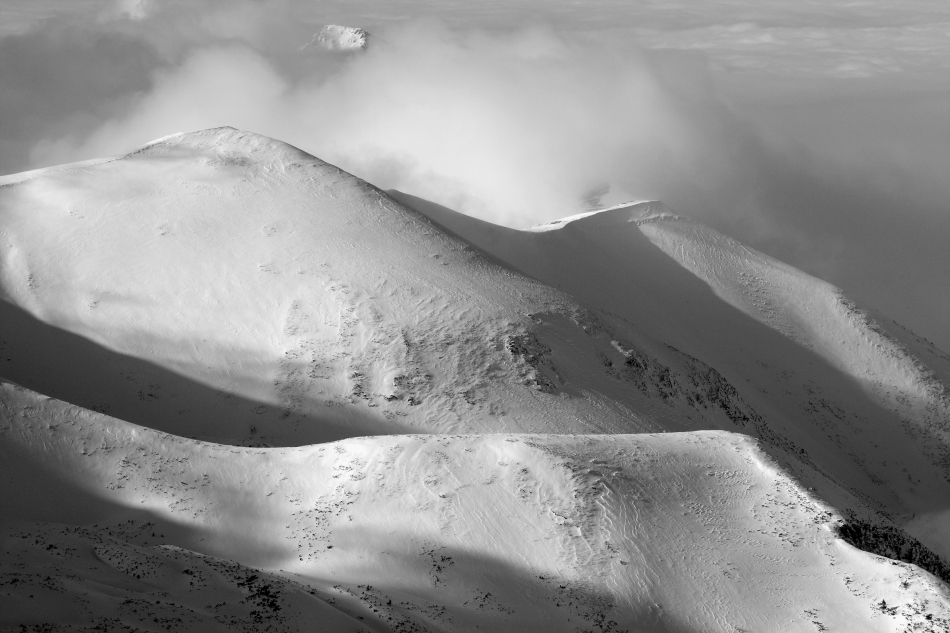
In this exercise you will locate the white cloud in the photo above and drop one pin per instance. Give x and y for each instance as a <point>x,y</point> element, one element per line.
<point>133,9</point>
<point>515,128</point>
<point>753,118</point>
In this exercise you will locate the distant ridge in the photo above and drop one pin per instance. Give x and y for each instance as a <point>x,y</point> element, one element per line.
<point>334,37</point>
<point>636,212</point>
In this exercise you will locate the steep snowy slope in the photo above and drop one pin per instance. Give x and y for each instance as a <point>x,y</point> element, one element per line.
<point>672,532</point>
<point>299,303</point>
<point>227,286</point>
<point>819,371</point>
<point>816,315</point>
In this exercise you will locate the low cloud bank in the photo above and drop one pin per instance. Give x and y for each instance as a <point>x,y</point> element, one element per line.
<point>517,127</point>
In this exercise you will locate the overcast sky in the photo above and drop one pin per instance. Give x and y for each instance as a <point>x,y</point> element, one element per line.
<point>817,132</point>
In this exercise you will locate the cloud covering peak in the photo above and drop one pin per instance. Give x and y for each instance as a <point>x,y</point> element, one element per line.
<point>733,116</point>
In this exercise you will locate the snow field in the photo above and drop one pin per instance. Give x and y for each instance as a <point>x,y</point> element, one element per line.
<point>827,382</point>
<point>227,287</point>
<point>310,305</point>
<point>818,316</point>
<point>694,531</point>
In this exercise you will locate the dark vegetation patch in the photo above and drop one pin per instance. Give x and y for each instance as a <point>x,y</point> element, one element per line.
<point>893,543</point>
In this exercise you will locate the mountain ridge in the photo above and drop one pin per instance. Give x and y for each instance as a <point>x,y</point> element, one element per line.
<point>638,212</point>
<point>620,530</point>
<point>597,385</point>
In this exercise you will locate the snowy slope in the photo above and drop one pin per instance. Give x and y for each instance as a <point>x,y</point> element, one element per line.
<point>298,303</point>
<point>671,532</point>
<point>821,372</point>
<point>334,37</point>
<point>816,315</point>
<point>227,286</point>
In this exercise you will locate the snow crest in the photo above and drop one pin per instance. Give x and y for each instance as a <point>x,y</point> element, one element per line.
<point>334,37</point>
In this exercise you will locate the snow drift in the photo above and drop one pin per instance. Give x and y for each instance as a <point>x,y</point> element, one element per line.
<point>334,37</point>
<point>227,287</point>
<point>697,531</point>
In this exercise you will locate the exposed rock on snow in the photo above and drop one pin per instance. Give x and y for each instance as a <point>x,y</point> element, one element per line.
<point>829,382</point>
<point>303,303</point>
<point>682,531</point>
<point>230,287</point>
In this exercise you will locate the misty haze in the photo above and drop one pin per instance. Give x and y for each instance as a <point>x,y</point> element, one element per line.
<point>417,316</point>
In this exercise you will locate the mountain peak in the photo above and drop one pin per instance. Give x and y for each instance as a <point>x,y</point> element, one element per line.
<point>227,145</point>
<point>223,285</point>
<point>224,136</point>
<point>334,37</point>
<point>635,212</point>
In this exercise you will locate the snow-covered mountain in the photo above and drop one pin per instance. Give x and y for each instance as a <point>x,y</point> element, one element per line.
<point>859,398</point>
<point>233,291</point>
<point>266,296</point>
<point>334,37</point>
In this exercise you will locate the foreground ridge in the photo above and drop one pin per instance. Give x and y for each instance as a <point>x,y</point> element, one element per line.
<point>633,532</point>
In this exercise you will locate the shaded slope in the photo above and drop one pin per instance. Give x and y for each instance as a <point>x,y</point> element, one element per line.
<point>246,265</point>
<point>222,262</point>
<point>696,531</point>
<point>818,370</point>
<point>78,578</point>
<point>243,264</point>
<point>75,369</point>
<point>818,316</point>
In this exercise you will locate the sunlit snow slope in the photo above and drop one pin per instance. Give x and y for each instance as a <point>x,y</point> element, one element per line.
<point>237,297</point>
<point>694,531</point>
<point>863,400</point>
<point>228,286</point>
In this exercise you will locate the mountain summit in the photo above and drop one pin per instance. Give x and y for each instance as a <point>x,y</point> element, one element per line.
<point>339,38</point>
<point>244,387</point>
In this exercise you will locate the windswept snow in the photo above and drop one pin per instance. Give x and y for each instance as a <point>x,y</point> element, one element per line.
<point>698,531</point>
<point>267,297</point>
<point>818,316</point>
<point>817,368</point>
<point>260,273</point>
<point>643,211</point>
<point>470,395</point>
<point>334,37</point>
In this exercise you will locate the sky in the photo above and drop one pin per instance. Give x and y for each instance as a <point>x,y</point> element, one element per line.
<point>816,132</point>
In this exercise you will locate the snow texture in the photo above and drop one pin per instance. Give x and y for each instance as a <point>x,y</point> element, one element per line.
<point>247,389</point>
<point>339,38</point>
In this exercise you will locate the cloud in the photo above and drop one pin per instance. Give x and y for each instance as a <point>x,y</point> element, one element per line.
<point>133,9</point>
<point>520,125</point>
<point>65,79</point>
<point>864,48</point>
<point>515,127</point>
